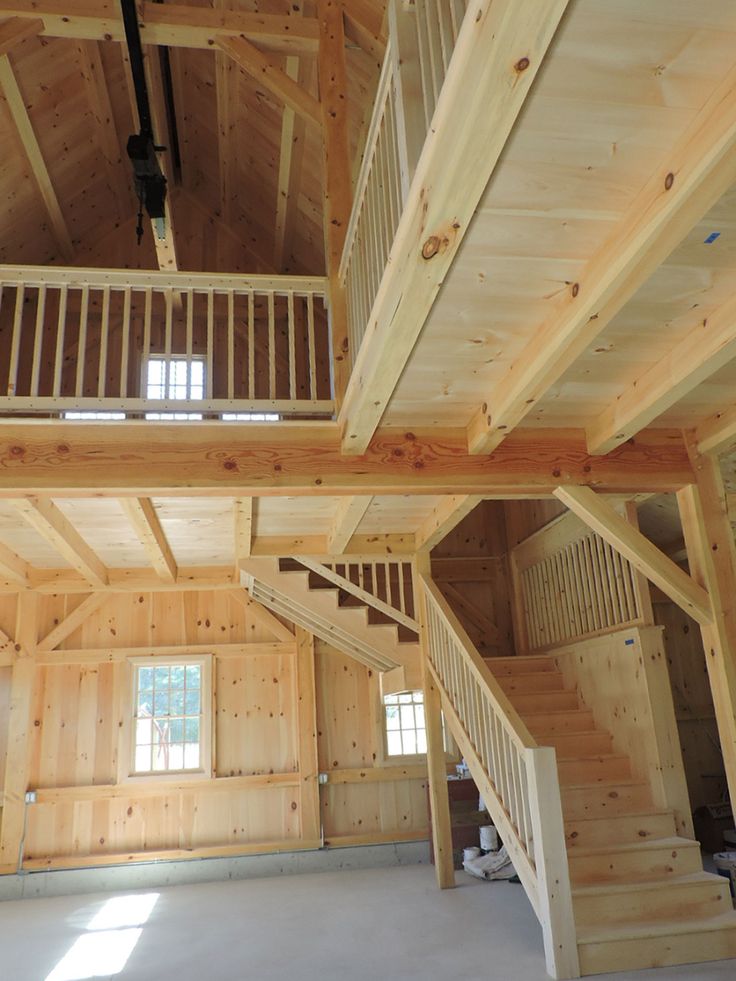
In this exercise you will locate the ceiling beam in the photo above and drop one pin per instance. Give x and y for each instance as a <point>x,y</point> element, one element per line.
<point>717,433</point>
<point>603,518</point>
<point>43,515</point>
<point>142,515</point>
<point>306,458</point>
<point>708,346</point>
<point>365,25</point>
<point>350,512</point>
<point>243,508</point>
<point>698,170</point>
<point>264,70</point>
<point>446,516</point>
<point>173,25</point>
<point>13,567</point>
<point>491,73</point>
<point>17,107</point>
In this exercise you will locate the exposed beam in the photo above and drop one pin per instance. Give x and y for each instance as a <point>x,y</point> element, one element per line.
<point>712,560</point>
<point>291,151</point>
<point>243,522</point>
<point>225,90</point>
<point>444,518</point>
<point>142,515</point>
<point>262,615</point>
<point>173,25</point>
<point>305,458</point>
<point>717,433</point>
<point>43,515</point>
<point>488,80</point>
<point>71,622</point>
<point>27,136</point>
<point>336,182</point>
<point>365,25</point>
<point>17,29</point>
<point>13,567</point>
<point>708,346</point>
<point>350,512</point>
<point>698,171</point>
<point>264,70</point>
<point>603,518</point>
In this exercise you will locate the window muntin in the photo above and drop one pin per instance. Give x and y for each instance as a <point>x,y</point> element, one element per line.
<point>174,378</point>
<point>170,716</point>
<point>404,722</point>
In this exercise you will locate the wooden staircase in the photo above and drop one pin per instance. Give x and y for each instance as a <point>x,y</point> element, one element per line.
<point>640,896</point>
<point>336,616</point>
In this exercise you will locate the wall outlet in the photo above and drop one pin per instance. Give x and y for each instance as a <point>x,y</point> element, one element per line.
<point>30,797</point>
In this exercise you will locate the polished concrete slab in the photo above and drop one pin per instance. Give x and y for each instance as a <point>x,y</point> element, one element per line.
<point>390,924</point>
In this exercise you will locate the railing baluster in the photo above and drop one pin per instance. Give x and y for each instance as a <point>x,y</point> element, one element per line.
<point>271,346</point>
<point>104,336</point>
<point>125,343</point>
<point>15,342</point>
<point>311,347</point>
<point>292,347</point>
<point>231,345</point>
<point>210,388</point>
<point>38,340</point>
<point>147,312</point>
<point>60,335</point>
<point>252,345</point>
<point>82,342</point>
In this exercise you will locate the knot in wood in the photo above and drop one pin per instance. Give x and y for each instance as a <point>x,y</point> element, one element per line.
<point>521,65</point>
<point>431,247</point>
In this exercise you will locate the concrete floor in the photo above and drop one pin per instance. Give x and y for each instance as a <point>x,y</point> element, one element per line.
<point>369,925</point>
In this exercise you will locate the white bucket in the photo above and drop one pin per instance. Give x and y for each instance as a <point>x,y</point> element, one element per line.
<point>488,838</point>
<point>725,865</point>
<point>470,853</point>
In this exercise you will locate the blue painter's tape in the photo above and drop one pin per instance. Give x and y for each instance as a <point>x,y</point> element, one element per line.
<point>712,237</point>
<point>629,642</point>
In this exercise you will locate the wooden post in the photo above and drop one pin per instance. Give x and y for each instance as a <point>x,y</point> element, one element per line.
<point>20,731</point>
<point>310,820</point>
<point>439,799</point>
<point>337,188</point>
<point>641,583</point>
<point>712,557</point>
<point>550,860</point>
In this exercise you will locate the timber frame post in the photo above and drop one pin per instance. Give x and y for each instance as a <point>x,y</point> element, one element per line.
<point>439,798</point>
<point>712,557</point>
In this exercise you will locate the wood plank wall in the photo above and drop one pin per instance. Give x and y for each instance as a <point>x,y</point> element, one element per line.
<point>258,798</point>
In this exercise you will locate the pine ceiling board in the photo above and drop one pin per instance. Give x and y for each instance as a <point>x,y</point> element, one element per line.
<point>294,515</point>
<point>103,525</point>
<point>199,530</point>
<point>21,538</point>
<point>719,392</point>
<point>397,514</point>
<point>659,520</point>
<point>590,146</point>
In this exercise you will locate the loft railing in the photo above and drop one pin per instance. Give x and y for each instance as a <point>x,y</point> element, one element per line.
<point>569,584</point>
<point>517,778</point>
<point>422,37</point>
<point>83,340</point>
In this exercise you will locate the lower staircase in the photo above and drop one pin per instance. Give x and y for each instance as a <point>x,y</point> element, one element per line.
<point>640,895</point>
<point>614,885</point>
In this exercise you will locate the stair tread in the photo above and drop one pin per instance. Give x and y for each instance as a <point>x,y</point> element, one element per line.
<point>629,814</point>
<point>598,784</point>
<point>635,846</point>
<point>689,878</point>
<point>655,928</point>
<point>569,711</point>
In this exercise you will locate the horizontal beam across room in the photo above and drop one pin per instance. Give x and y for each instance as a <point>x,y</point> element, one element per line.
<point>185,460</point>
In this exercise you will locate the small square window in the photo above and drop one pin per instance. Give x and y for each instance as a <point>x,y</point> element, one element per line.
<point>404,722</point>
<point>174,378</point>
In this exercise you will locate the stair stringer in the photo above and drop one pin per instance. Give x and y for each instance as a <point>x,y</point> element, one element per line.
<point>317,610</point>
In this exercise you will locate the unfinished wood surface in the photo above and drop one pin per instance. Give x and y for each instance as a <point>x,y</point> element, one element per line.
<point>142,516</point>
<point>349,513</point>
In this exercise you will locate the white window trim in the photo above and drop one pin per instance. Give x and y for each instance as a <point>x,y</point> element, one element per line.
<point>399,758</point>
<point>126,745</point>
<point>162,356</point>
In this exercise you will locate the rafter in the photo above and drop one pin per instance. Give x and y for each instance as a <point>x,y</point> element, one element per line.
<point>18,111</point>
<point>71,622</point>
<point>603,518</point>
<point>243,508</point>
<point>142,515</point>
<point>708,346</point>
<point>491,73</point>
<point>365,25</point>
<point>350,512</point>
<point>43,515</point>
<point>718,432</point>
<point>173,25</point>
<point>697,172</point>
<point>448,513</point>
<point>264,70</point>
<point>13,567</point>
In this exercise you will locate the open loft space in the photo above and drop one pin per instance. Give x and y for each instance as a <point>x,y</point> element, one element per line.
<point>367,479</point>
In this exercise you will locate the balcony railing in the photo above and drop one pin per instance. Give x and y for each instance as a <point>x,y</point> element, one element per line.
<point>84,341</point>
<point>422,38</point>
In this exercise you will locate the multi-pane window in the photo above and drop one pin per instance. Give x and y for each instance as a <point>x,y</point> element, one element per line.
<point>250,417</point>
<point>170,716</point>
<point>114,416</point>
<point>405,731</point>
<point>174,379</point>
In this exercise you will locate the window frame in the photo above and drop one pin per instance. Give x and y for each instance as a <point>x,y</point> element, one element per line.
<point>146,359</point>
<point>392,758</point>
<point>127,745</point>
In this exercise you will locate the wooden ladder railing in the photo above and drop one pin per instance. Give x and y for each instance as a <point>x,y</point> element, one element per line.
<point>517,778</point>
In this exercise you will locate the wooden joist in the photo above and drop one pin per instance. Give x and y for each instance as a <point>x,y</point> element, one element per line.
<point>173,25</point>
<point>43,515</point>
<point>697,172</point>
<point>491,73</point>
<point>603,518</point>
<point>709,345</point>
<point>142,515</point>
<point>263,459</point>
<point>27,136</point>
<point>444,518</point>
<point>349,514</point>
<point>264,70</point>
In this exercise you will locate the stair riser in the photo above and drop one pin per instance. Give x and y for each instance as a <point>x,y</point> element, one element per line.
<point>574,744</point>
<point>520,684</point>
<point>519,666</point>
<point>621,830</point>
<point>669,901</point>
<point>665,951</point>
<point>545,701</point>
<point>580,802</point>
<point>543,723</point>
<point>636,866</point>
<point>594,770</point>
